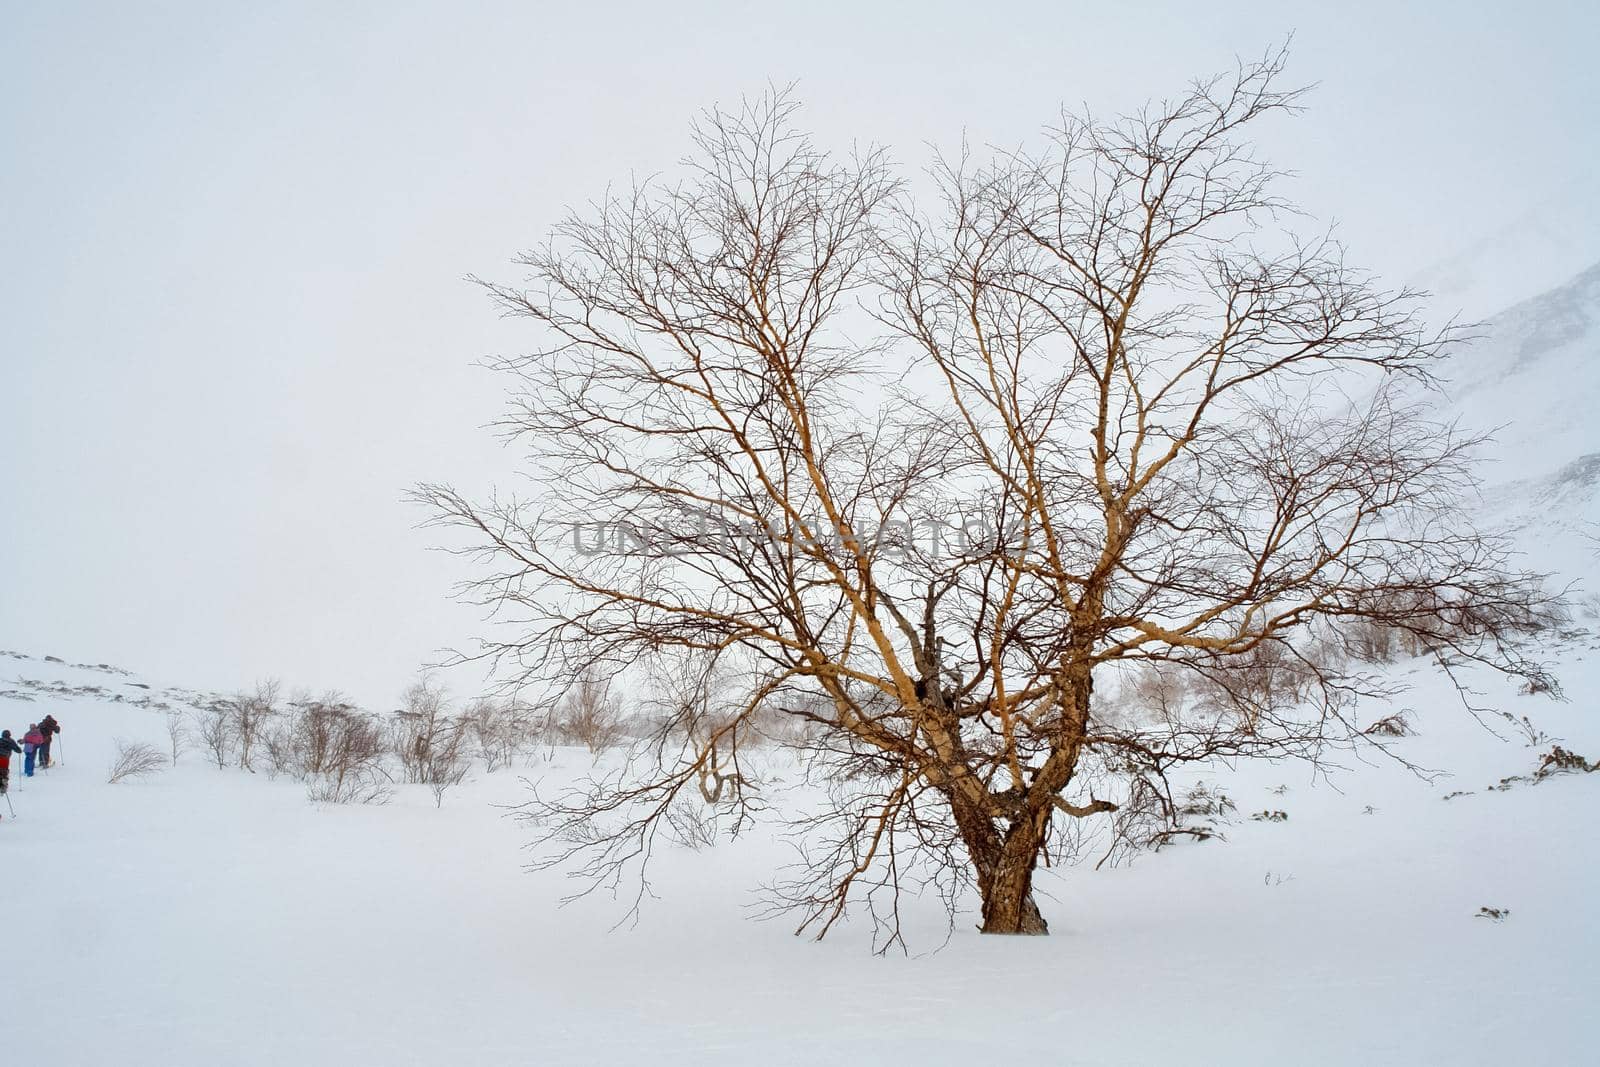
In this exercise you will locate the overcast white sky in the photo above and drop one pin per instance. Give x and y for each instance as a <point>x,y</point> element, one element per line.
<point>233,326</point>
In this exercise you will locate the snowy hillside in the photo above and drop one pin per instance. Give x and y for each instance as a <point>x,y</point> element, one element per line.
<point>1533,374</point>
<point>1533,380</point>
<point>207,915</point>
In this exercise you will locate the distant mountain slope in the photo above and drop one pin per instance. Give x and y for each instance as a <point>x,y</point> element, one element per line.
<point>1533,379</point>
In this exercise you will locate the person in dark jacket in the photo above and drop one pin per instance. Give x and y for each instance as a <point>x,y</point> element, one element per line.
<point>30,748</point>
<point>49,728</point>
<point>8,745</point>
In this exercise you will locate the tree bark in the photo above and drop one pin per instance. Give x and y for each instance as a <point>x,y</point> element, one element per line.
<point>1008,904</point>
<point>1005,864</point>
<point>1004,868</point>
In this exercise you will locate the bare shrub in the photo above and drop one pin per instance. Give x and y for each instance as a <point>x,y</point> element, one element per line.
<point>447,765</point>
<point>213,728</point>
<point>177,735</point>
<point>1371,641</point>
<point>135,760</point>
<point>1158,691</point>
<point>1428,620</point>
<point>355,743</point>
<point>315,734</point>
<point>1151,818</point>
<point>501,728</point>
<point>350,757</point>
<point>278,746</point>
<point>1206,801</point>
<point>692,824</point>
<point>251,713</point>
<point>424,738</point>
<point>1255,685</point>
<point>1395,725</point>
<point>447,760</point>
<point>363,786</point>
<point>590,715</point>
<point>696,694</point>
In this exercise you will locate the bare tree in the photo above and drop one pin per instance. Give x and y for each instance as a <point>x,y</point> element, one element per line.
<point>590,714</point>
<point>177,735</point>
<point>1115,418</point>
<point>134,760</point>
<point>315,736</point>
<point>502,729</point>
<point>349,754</point>
<point>251,714</point>
<point>421,729</point>
<point>448,763</point>
<point>213,728</point>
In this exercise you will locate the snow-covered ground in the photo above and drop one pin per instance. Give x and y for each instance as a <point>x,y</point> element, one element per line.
<point>214,916</point>
<point>209,916</point>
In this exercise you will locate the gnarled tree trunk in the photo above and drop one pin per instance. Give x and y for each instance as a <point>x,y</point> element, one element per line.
<point>1003,864</point>
<point>1008,904</point>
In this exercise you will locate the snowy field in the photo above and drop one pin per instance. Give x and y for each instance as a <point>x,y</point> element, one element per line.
<point>208,916</point>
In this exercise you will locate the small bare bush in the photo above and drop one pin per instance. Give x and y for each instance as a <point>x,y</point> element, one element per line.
<point>1157,691</point>
<point>363,786</point>
<point>590,715</point>
<point>1256,686</point>
<point>692,824</point>
<point>177,735</point>
<point>315,733</point>
<point>1203,800</point>
<point>502,729</point>
<point>135,760</point>
<point>448,762</point>
<point>1396,725</point>
<point>356,744</point>
<point>251,713</point>
<point>341,753</point>
<point>213,728</point>
<point>1539,685</point>
<point>277,745</point>
<point>422,735</point>
<point>1368,641</point>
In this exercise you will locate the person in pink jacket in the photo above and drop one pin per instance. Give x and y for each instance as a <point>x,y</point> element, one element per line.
<point>30,745</point>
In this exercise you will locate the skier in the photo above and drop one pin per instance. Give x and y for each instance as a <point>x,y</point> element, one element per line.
<point>30,746</point>
<point>8,745</point>
<point>49,728</point>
